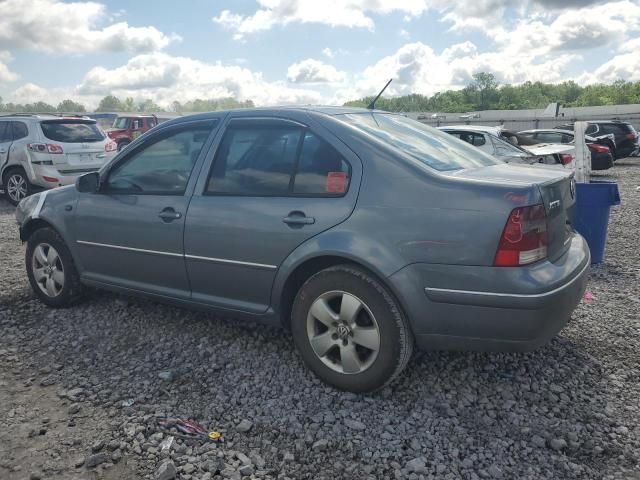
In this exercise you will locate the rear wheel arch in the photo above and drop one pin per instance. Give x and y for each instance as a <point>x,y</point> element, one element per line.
<point>309,267</point>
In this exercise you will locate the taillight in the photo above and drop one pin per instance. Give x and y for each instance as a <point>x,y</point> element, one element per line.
<point>595,147</point>
<point>45,148</point>
<point>524,238</point>
<point>50,179</point>
<point>110,146</point>
<point>566,158</point>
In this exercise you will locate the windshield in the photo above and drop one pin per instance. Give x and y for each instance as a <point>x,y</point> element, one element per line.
<point>432,147</point>
<point>120,122</point>
<point>72,131</point>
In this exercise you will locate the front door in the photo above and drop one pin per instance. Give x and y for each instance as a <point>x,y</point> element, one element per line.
<point>274,183</point>
<point>130,233</point>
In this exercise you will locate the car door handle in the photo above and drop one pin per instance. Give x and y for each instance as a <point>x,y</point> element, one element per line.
<point>169,214</point>
<point>298,218</point>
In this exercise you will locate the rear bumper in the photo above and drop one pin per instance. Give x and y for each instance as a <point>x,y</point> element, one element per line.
<point>601,161</point>
<point>493,308</point>
<point>39,172</point>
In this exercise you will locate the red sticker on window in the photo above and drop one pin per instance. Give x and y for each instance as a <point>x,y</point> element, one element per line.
<point>336,182</point>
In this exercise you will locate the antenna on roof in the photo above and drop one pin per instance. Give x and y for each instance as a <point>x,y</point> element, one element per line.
<point>372,105</point>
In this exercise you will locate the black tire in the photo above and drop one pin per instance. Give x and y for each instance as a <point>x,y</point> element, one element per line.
<point>72,290</point>
<point>10,175</point>
<point>122,145</point>
<point>395,336</point>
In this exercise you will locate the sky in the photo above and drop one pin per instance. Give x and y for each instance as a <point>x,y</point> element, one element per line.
<point>304,51</point>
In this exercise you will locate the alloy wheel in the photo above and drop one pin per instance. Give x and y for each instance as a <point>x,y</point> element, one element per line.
<point>16,187</point>
<point>48,271</point>
<point>342,332</point>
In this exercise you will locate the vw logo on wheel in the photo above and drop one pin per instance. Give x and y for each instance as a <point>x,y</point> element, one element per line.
<point>343,331</point>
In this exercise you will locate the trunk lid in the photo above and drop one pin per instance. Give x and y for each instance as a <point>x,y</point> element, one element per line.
<point>552,187</point>
<point>558,198</point>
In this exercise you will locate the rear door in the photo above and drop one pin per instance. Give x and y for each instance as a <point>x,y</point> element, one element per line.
<point>273,184</point>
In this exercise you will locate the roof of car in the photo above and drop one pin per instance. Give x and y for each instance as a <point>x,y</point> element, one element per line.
<point>494,130</point>
<point>45,116</point>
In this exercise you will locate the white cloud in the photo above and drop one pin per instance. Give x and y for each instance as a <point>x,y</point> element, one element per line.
<point>335,13</point>
<point>52,26</point>
<point>327,52</point>
<point>313,71</point>
<point>165,78</point>
<point>417,68</point>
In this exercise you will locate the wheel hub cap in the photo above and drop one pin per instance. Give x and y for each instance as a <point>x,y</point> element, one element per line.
<point>342,332</point>
<point>48,271</point>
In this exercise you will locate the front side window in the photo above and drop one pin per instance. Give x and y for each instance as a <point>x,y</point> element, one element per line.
<point>161,166</point>
<point>120,122</point>
<point>71,131</point>
<point>434,148</point>
<point>550,137</point>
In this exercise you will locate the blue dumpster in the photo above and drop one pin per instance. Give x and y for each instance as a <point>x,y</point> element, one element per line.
<point>593,201</point>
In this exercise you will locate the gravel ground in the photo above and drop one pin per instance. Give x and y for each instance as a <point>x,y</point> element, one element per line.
<point>80,389</point>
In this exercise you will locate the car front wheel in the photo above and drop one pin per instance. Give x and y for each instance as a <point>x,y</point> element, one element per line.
<point>50,268</point>
<point>349,329</point>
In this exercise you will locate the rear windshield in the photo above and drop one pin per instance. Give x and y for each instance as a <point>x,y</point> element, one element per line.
<point>72,131</point>
<point>437,149</point>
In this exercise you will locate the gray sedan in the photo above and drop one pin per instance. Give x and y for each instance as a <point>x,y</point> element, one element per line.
<point>364,233</point>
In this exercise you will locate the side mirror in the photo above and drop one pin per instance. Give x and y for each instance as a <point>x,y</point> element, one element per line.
<point>88,183</point>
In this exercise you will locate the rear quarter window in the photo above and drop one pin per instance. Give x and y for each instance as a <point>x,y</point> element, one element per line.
<point>72,131</point>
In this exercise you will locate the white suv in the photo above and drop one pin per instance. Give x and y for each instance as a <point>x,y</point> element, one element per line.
<point>39,151</point>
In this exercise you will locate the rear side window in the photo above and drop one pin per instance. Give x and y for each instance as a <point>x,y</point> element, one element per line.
<point>71,131</point>
<point>475,139</point>
<point>255,160</point>
<point>268,160</point>
<point>591,129</point>
<point>19,130</point>
<point>5,132</point>
<point>321,169</point>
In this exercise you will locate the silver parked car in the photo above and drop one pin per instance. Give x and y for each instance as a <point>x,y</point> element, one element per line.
<point>39,151</point>
<point>365,233</point>
<point>512,147</point>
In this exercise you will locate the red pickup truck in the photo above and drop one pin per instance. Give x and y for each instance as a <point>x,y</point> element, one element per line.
<point>126,129</point>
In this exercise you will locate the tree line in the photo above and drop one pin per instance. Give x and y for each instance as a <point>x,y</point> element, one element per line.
<point>111,103</point>
<point>483,93</point>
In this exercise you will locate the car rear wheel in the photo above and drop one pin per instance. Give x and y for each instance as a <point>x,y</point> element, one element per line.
<point>16,185</point>
<point>51,271</point>
<point>349,329</point>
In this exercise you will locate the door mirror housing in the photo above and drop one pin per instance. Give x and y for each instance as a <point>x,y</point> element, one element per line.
<point>88,183</point>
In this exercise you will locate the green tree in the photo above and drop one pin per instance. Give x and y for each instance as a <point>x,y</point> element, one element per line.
<point>110,103</point>
<point>149,105</point>
<point>70,106</point>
